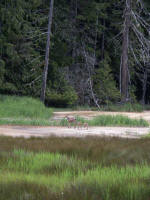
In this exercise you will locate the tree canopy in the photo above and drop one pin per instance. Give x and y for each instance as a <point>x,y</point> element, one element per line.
<point>85,50</point>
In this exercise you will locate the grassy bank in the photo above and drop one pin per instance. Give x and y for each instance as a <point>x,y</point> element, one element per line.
<point>15,109</point>
<point>73,169</point>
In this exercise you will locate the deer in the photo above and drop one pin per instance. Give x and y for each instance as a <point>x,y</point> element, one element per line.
<point>71,120</point>
<point>79,125</point>
<point>85,125</point>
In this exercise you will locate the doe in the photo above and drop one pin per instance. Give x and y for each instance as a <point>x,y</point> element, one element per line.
<point>71,120</point>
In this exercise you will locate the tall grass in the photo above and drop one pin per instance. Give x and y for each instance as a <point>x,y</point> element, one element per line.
<point>108,120</point>
<point>118,120</point>
<point>59,173</point>
<point>72,168</point>
<point>23,108</point>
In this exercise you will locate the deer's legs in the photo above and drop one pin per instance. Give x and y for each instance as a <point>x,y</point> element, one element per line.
<point>85,125</point>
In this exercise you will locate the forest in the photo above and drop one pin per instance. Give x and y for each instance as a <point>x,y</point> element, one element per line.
<point>99,51</point>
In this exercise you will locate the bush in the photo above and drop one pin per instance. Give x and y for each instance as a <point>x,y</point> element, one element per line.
<point>105,85</point>
<point>68,98</point>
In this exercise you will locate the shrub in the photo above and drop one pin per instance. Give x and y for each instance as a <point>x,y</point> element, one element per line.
<point>67,98</point>
<point>104,84</point>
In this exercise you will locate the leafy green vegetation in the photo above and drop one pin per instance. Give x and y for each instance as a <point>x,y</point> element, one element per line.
<point>73,168</point>
<point>85,52</point>
<point>22,109</point>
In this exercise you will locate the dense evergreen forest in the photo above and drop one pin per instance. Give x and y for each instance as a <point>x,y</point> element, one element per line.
<point>99,50</point>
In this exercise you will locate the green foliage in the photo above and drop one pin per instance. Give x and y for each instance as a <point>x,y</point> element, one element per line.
<point>104,84</point>
<point>19,108</point>
<point>2,71</point>
<point>23,27</point>
<point>67,98</point>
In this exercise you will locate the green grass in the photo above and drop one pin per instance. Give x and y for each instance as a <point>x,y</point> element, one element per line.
<point>108,120</point>
<point>92,168</point>
<point>59,173</point>
<point>26,122</point>
<point>23,110</point>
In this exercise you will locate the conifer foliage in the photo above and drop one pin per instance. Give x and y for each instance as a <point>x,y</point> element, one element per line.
<point>87,54</point>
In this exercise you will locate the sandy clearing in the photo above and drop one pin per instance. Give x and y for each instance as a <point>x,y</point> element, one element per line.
<point>126,132</point>
<point>30,131</point>
<point>90,114</point>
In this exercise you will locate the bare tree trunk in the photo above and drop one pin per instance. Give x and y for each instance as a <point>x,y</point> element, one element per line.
<point>44,80</point>
<point>103,41</point>
<point>144,86</point>
<point>74,13</point>
<point>125,46</point>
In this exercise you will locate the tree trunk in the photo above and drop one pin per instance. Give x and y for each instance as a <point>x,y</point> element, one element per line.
<point>144,86</point>
<point>125,46</point>
<point>103,41</point>
<point>44,80</point>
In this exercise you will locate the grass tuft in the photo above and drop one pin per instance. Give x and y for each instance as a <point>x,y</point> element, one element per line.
<point>23,111</point>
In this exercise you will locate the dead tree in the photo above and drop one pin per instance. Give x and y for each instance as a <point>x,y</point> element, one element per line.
<point>44,79</point>
<point>141,50</point>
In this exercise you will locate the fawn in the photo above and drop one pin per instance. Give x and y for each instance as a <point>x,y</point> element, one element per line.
<point>79,125</point>
<point>85,125</point>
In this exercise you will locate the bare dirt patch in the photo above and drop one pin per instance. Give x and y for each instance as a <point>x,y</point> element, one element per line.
<point>90,114</point>
<point>29,131</point>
